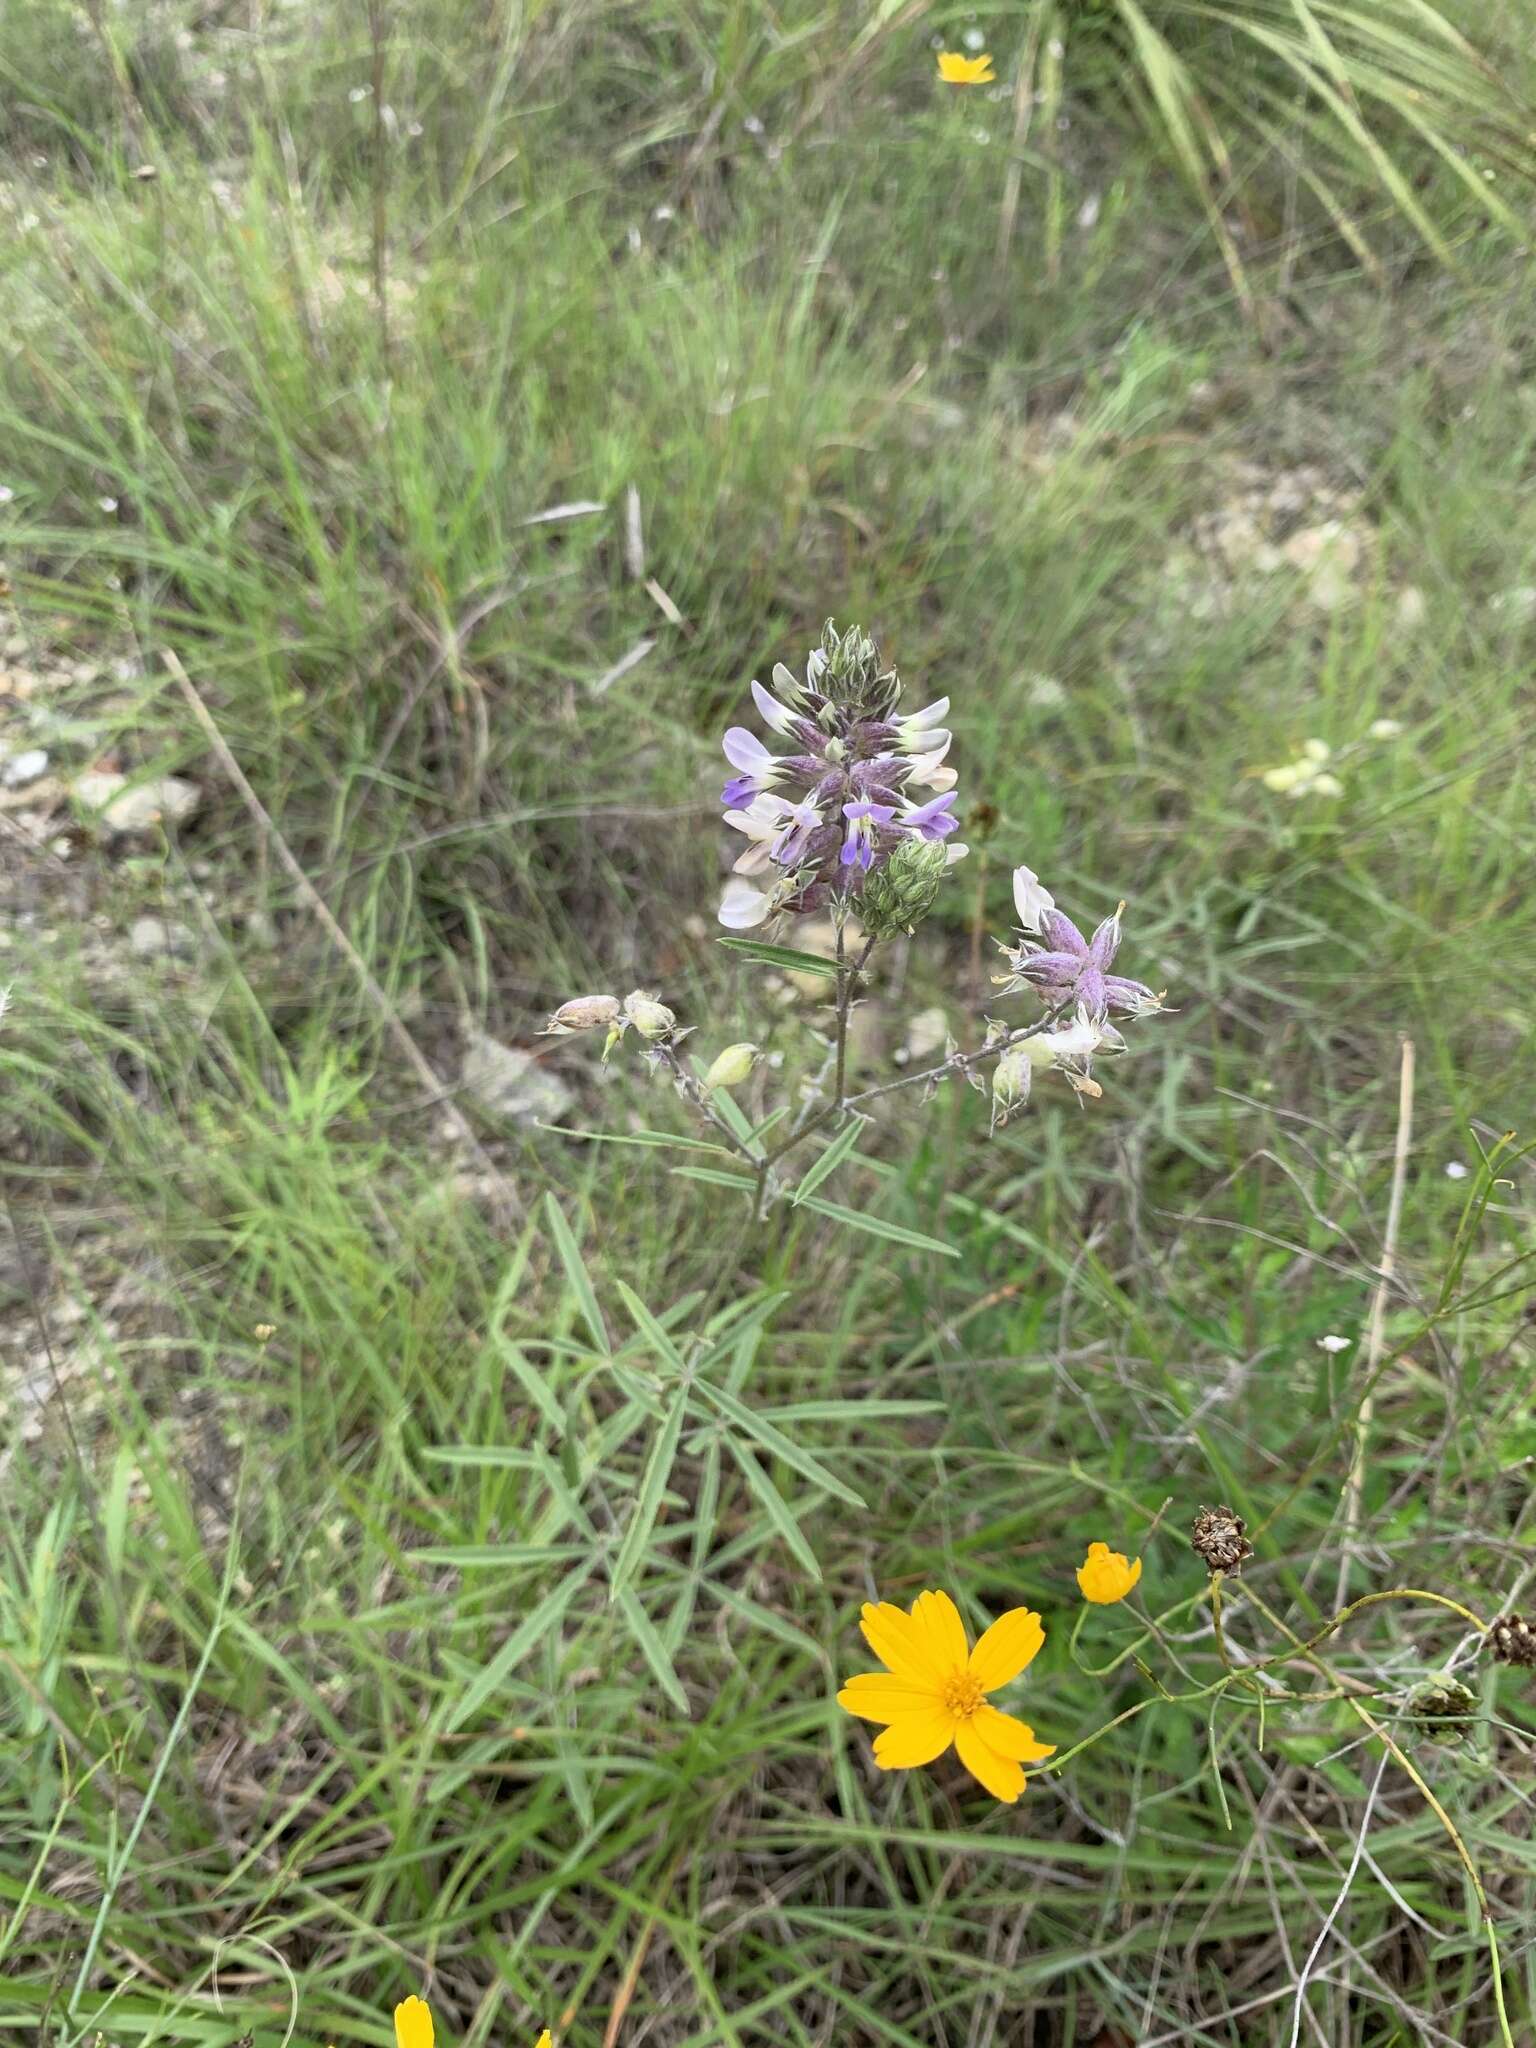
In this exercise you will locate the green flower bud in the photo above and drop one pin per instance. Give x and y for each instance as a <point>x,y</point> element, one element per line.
<point>733,1066</point>
<point>896,897</point>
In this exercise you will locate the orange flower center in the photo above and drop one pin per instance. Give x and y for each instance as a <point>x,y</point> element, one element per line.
<point>962,1695</point>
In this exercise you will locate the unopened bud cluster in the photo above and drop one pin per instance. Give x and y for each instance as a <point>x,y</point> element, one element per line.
<point>897,897</point>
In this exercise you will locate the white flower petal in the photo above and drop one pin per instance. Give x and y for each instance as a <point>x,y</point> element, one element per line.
<point>1031,900</point>
<point>744,750</point>
<point>778,717</point>
<point>742,906</point>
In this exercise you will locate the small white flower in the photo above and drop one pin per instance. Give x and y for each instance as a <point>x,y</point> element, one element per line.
<point>974,39</point>
<point>6,494</point>
<point>1031,900</point>
<point>359,93</point>
<point>1386,728</point>
<point>1454,1170</point>
<point>1332,1344</point>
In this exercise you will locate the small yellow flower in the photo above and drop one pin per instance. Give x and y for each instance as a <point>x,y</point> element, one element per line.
<point>933,1692</point>
<point>544,2040</point>
<point>957,69</point>
<point>413,2024</point>
<point>1107,1575</point>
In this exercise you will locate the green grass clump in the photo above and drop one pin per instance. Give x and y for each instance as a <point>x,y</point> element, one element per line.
<point>430,1566</point>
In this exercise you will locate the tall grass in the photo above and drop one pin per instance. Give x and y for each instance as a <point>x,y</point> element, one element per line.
<point>389,1613</point>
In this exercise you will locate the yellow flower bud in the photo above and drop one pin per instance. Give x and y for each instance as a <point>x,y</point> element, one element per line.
<point>413,2024</point>
<point>733,1066</point>
<point>1106,1575</point>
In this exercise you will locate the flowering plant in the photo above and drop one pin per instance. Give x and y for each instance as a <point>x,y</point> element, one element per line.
<point>855,821</point>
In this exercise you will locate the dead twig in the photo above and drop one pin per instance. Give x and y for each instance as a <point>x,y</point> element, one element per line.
<point>1376,1337</point>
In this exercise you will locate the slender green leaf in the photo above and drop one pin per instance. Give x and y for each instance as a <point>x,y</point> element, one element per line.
<point>827,1162</point>
<point>518,1645</point>
<point>576,1272</point>
<point>658,1467</point>
<point>653,1649</point>
<point>658,1140</point>
<point>775,1507</point>
<point>878,1227</point>
<point>781,1446</point>
<point>781,956</point>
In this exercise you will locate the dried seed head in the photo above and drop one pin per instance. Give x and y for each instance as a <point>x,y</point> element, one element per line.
<point>1219,1541</point>
<point>1512,1640</point>
<point>650,1018</point>
<point>1441,1707</point>
<point>582,1013</point>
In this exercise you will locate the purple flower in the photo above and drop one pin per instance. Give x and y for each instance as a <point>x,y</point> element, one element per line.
<point>845,793</point>
<point>759,769</point>
<point>798,822</point>
<point>931,820</point>
<point>859,846</point>
<point>1071,969</point>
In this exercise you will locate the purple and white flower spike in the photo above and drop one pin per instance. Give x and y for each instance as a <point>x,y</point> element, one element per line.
<point>830,811</point>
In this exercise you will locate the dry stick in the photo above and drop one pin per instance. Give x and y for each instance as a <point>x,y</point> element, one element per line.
<point>409,1050</point>
<point>1376,1340</point>
<point>1023,116</point>
<point>379,42</point>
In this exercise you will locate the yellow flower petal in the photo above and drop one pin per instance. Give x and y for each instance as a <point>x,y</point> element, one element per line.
<point>1106,1575</point>
<point>544,2040</point>
<point>1006,1647</point>
<point>955,68</point>
<point>939,1618</point>
<point>1000,1774</point>
<point>915,1739</point>
<point>413,2024</point>
<point>899,1643</point>
<point>1010,1738</point>
<point>878,1697</point>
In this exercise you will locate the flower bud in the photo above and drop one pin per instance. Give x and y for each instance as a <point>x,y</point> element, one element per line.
<point>582,1013</point>
<point>1011,1079</point>
<point>896,897</point>
<point>650,1018</point>
<point>733,1066</point>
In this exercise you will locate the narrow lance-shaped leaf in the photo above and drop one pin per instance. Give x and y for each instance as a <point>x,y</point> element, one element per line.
<point>652,1485</point>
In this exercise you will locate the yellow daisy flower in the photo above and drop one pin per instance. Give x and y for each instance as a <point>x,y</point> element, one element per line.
<point>1106,1575</point>
<point>933,1692</point>
<point>413,2024</point>
<point>955,68</point>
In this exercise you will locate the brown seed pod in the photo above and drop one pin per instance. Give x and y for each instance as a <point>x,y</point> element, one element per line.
<point>1218,1540</point>
<point>1512,1640</point>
